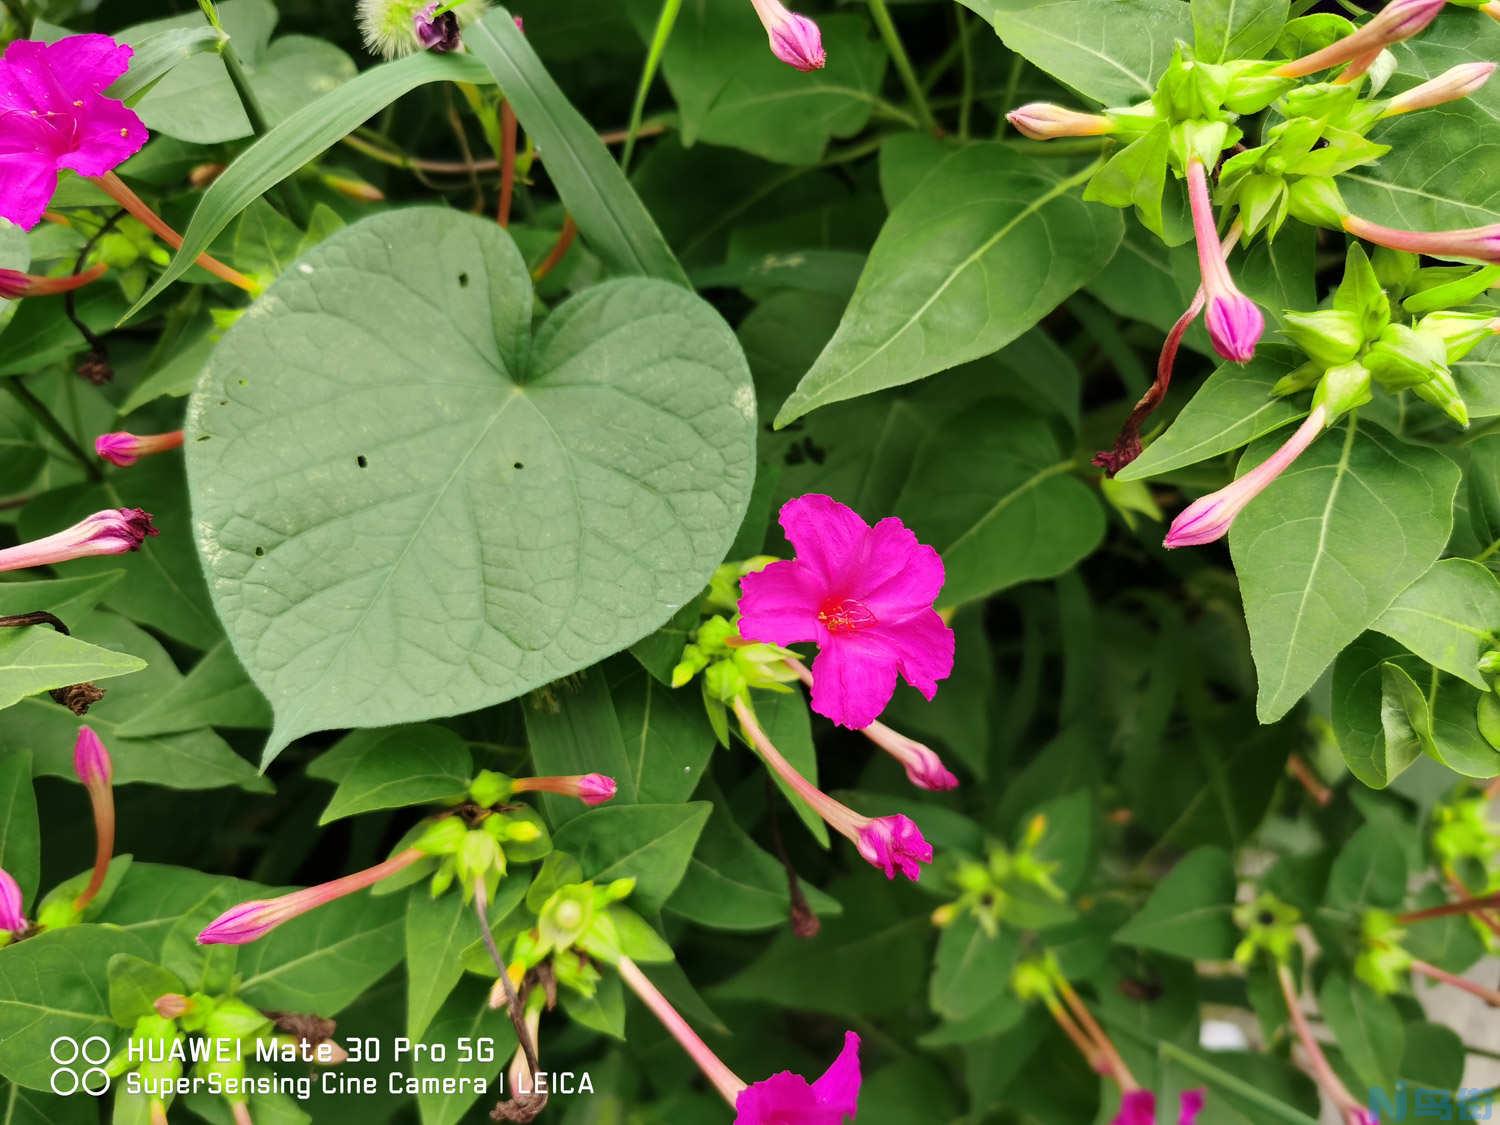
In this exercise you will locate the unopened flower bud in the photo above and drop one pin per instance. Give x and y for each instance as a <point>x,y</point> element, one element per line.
<point>443,836</point>
<point>172,1005</point>
<point>113,531</point>
<point>490,788</point>
<point>944,915</point>
<point>1460,332</point>
<point>1442,392</point>
<point>1456,82</point>
<point>795,40</point>
<point>1489,663</point>
<point>125,449</point>
<point>1397,21</point>
<point>15,285</point>
<point>12,908</point>
<point>351,187</point>
<point>91,760</point>
<point>1342,389</point>
<point>1315,200</point>
<point>1043,121</point>
<point>1328,336</point>
<point>1403,357</point>
<point>590,788</point>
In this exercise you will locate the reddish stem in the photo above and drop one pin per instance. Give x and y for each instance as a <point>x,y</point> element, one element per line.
<point>507,161</point>
<point>559,249</point>
<point>115,188</point>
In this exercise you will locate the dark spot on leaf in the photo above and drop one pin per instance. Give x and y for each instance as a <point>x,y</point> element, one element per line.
<point>361,461</point>
<point>518,465</point>
<point>260,552</point>
<point>463,281</point>
<point>203,437</point>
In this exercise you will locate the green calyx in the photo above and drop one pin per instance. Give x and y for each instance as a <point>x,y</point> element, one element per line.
<point>490,788</point>
<point>1270,927</point>
<point>1382,963</point>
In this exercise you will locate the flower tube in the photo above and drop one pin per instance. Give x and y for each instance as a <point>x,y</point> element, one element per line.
<point>125,449</point>
<point>1397,21</point>
<point>113,531</point>
<point>1233,320</point>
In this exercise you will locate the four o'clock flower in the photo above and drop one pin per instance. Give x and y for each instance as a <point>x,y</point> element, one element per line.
<point>891,843</point>
<point>1456,82</point>
<point>113,531</point>
<point>1043,121</point>
<point>782,1099</point>
<point>590,788</point>
<point>436,28</point>
<point>924,768</point>
<point>250,921</point>
<point>12,909</point>
<point>795,40</point>
<point>1138,1107</point>
<point>1471,244</point>
<point>1397,21</point>
<point>125,449</point>
<point>92,765</point>
<point>1234,322</point>
<point>1208,518</point>
<point>864,595</point>
<point>14,284</point>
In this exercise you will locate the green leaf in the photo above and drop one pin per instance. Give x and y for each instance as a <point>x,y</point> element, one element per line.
<point>195,100</point>
<point>326,959</point>
<point>217,692</point>
<point>291,145</point>
<point>1366,1025</point>
<point>571,727</point>
<point>178,374</point>
<point>1236,29</point>
<point>20,1106</point>
<point>1448,617</point>
<point>56,984</point>
<point>1232,408</point>
<point>159,53</point>
<point>1112,52</point>
<point>37,658</point>
<point>992,491</point>
<point>604,1011</point>
<point>1189,914</point>
<point>667,737</point>
<point>593,189</point>
<point>40,334</point>
<point>466,1019</point>
<point>134,985</point>
<point>1329,545</point>
<point>1435,176</point>
<point>197,759</point>
<point>731,91</point>
<point>393,768</point>
<point>785,719</point>
<point>972,969</point>
<point>163,584</point>
<point>985,221</point>
<point>1370,871</point>
<point>508,466</point>
<point>437,932</point>
<point>732,883</point>
<point>649,843</point>
<point>20,833</point>
<point>1373,729</point>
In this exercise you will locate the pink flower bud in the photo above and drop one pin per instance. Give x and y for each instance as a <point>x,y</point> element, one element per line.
<point>590,788</point>
<point>795,40</point>
<point>1234,322</point>
<point>1456,82</point>
<point>1043,121</point>
<point>124,449</point>
<point>250,921</point>
<point>595,789</point>
<point>113,531</point>
<point>1475,244</point>
<point>172,1005</point>
<point>91,760</point>
<point>12,918</point>
<point>1208,519</point>
<point>894,843</point>
<point>924,768</point>
<point>1397,21</point>
<point>14,284</point>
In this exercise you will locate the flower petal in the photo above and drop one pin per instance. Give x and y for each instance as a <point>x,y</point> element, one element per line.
<point>27,183</point>
<point>828,536</point>
<point>1190,1104</point>
<point>779,604</point>
<point>1136,1108</point>
<point>898,575</point>
<point>780,1098</point>
<point>84,64</point>
<point>922,646</point>
<point>854,676</point>
<point>838,1089</point>
<point>109,133</point>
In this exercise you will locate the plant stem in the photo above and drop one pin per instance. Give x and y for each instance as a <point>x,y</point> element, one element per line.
<point>115,188</point>
<point>508,127</point>
<point>1462,906</point>
<point>40,411</point>
<point>512,1000</point>
<point>966,105</point>
<point>727,1082</point>
<point>559,249</point>
<point>1489,995</point>
<point>882,17</point>
<point>666,20</point>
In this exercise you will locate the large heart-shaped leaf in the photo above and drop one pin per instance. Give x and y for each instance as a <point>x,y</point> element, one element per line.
<point>407,507</point>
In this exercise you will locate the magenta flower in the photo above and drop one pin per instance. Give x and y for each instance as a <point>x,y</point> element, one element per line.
<point>864,595</point>
<point>1208,518</point>
<point>590,788</point>
<point>1043,121</point>
<point>795,40</point>
<point>895,843</point>
<point>1475,244</point>
<point>113,531</point>
<point>1138,1107</point>
<point>125,449</point>
<point>437,31</point>
<point>12,909</point>
<point>91,760</point>
<point>790,1099</point>
<point>54,116</point>
<point>1234,322</point>
<point>250,921</point>
<point>1397,21</point>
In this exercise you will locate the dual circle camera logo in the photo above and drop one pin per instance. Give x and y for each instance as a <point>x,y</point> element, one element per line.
<point>80,1065</point>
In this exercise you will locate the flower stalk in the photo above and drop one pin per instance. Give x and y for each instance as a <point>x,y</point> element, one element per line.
<point>1476,244</point>
<point>117,190</point>
<point>729,1084</point>
<point>1349,1108</point>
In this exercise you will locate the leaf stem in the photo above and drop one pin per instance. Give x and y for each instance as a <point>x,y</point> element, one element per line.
<point>888,32</point>
<point>966,104</point>
<point>666,20</point>
<point>43,414</point>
